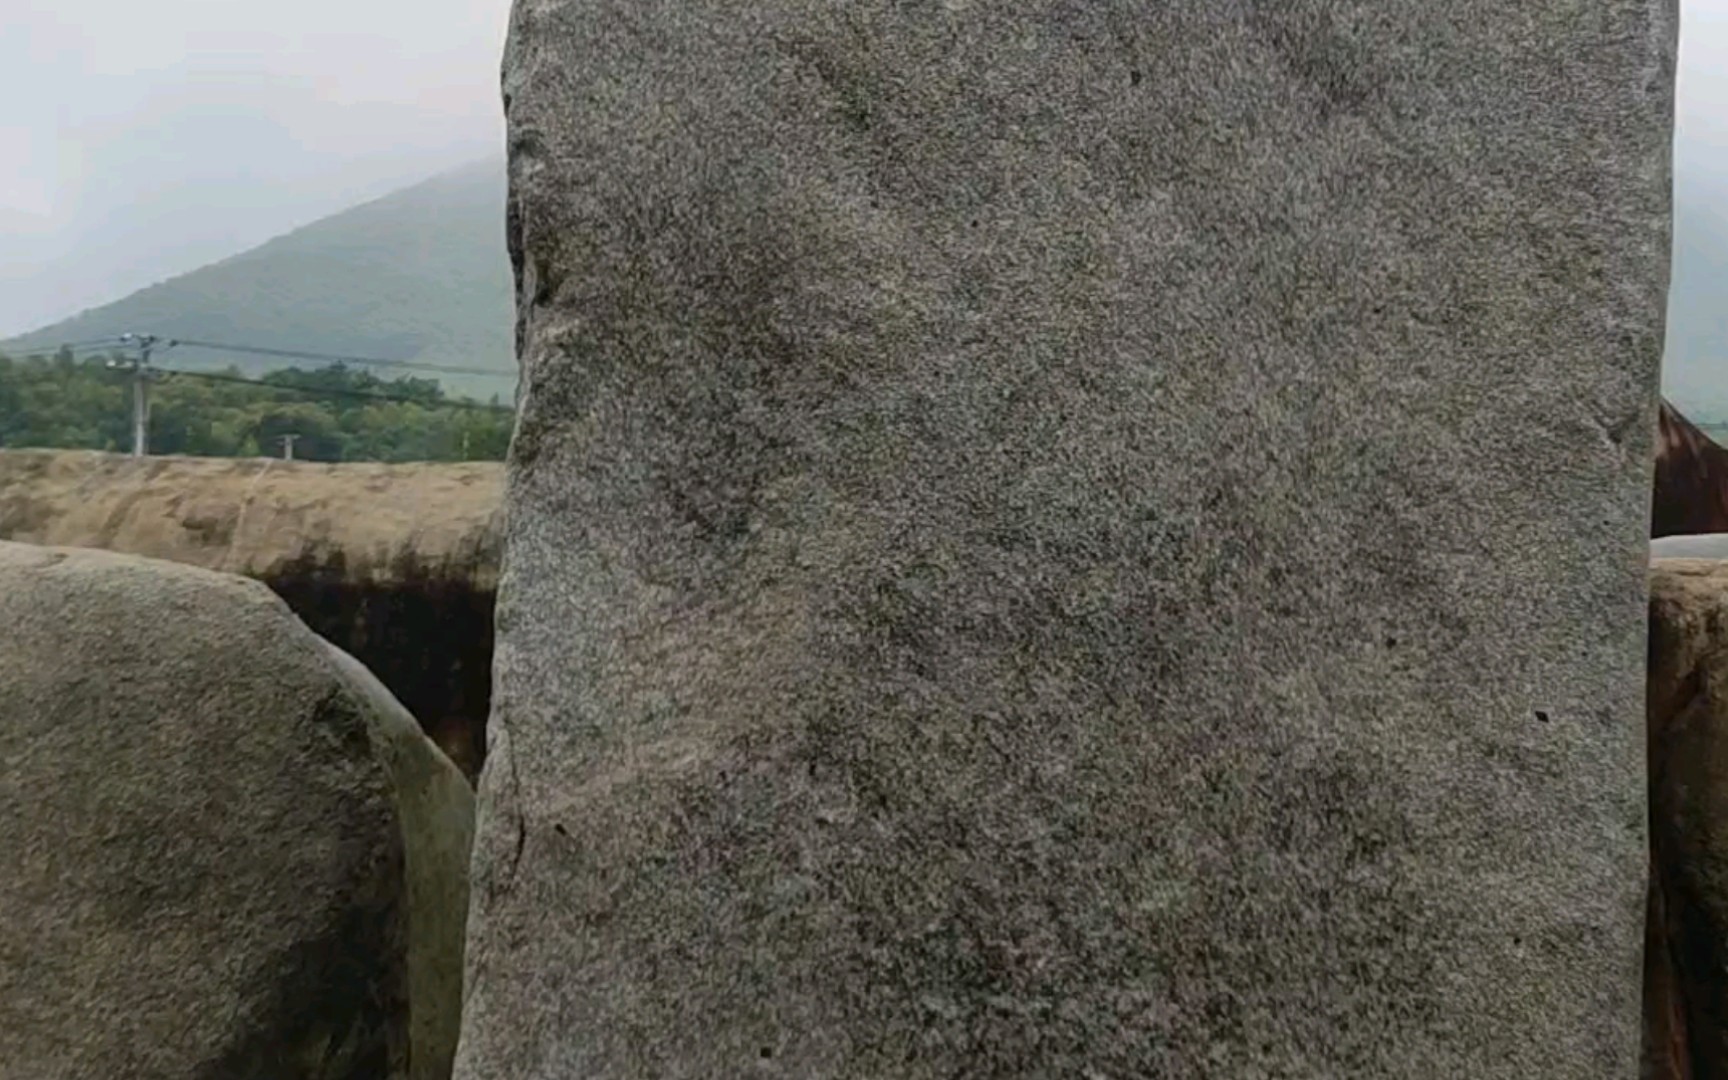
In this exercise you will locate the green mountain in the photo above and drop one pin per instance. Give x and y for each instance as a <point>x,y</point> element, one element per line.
<point>419,275</point>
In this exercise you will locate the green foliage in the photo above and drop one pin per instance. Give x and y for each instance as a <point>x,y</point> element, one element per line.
<point>337,413</point>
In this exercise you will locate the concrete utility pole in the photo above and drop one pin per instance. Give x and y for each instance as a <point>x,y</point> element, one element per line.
<point>142,376</point>
<point>288,447</point>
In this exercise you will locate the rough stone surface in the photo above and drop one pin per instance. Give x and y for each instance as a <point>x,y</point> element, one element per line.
<point>1686,991</point>
<point>396,564</point>
<point>1055,539</point>
<point>229,854</point>
<point>435,809</point>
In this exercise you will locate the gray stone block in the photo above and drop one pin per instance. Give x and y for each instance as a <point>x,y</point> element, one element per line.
<point>229,852</point>
<point>1099,540</point>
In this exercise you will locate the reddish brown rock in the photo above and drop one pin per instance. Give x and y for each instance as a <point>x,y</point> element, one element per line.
<point>1691,488</point>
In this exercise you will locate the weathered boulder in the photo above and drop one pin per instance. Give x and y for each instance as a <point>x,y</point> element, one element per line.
<point>435,810</point>
<point>396,564</point>
<point>229,851</point>
<point>1074,540</point>
<point>1686,989</point>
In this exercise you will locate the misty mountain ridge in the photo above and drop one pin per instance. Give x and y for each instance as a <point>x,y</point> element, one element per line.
<point>421,275</point>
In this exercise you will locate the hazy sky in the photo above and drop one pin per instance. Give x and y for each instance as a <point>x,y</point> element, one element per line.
<point>1701,106</point>
<point>143,138</point>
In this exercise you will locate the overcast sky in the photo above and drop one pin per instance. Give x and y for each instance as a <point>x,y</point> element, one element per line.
<point>1701,108</point>
<point>144,138</point>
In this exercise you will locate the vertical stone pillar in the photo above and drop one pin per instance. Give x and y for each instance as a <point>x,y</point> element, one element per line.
<point>1074,539</point>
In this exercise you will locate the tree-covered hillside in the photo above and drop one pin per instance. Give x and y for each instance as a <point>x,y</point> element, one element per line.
<point>420,275</point>
<point>334,413</point>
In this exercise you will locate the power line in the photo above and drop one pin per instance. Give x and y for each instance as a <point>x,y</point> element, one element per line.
<point>142,373</point>
<point>101,344</point>
<point>338,358</point>
<point>106,344</point>
<point>337,391</point>
<point>134,364</point>
<point>142,376</point>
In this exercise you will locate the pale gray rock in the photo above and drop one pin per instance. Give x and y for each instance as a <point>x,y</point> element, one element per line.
<point>1074,540</point>
<point>1695,546</point>
<point>230,853</point>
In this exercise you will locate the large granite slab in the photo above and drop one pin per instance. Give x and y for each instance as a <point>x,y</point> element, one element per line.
<point>1053,539</point>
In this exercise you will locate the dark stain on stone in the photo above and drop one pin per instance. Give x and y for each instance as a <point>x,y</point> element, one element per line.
<point>212,530</point>
<point>426,632</point>
<point>345,990</point>
<point>1323,53</point>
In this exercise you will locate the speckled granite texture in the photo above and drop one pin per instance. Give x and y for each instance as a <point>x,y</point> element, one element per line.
<point>1057,539</point>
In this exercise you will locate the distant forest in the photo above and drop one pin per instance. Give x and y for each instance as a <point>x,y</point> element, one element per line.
<point>336,413</point>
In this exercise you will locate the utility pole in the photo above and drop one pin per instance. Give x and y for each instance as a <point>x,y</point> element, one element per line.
<point>288,447</point>
<point>142,376</point>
